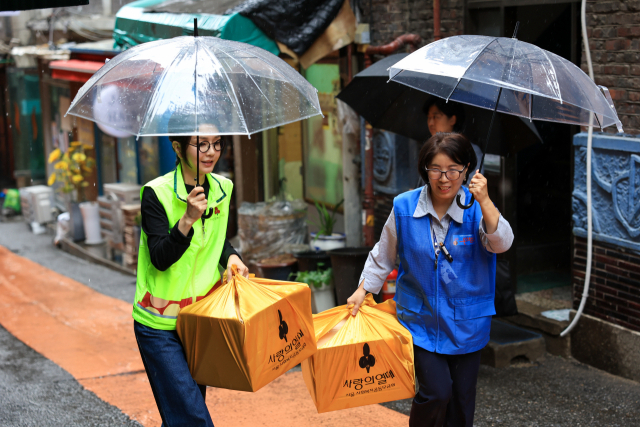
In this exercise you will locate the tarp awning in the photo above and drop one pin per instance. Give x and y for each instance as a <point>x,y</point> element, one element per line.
<point>135,26</point>
<point>74,69</point>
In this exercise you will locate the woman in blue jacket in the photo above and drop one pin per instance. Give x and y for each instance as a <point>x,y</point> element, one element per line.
<point>446,277</point>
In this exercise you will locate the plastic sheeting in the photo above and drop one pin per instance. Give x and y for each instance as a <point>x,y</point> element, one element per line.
<point>296,23</point>
<point>136,24</point>
<point>361,359</point>
<point>267,229</point>
<point>247,333</point>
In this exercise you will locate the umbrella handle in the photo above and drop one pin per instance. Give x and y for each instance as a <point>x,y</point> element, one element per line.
<point>464,206</point>
<point>209,212</point>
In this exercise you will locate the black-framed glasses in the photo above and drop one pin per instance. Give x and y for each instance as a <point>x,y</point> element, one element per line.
<point>204,146</point>
<point>451,174</point>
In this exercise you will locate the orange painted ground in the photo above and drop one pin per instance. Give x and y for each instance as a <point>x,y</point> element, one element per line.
<point>91,336</point>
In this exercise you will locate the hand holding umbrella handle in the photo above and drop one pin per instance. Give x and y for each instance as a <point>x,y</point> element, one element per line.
<point>465,206</point>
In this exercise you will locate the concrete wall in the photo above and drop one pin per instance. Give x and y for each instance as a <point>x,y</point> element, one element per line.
<point>606,346</point>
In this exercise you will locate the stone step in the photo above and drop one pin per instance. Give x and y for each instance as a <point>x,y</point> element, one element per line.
<point>510,343</point>
<point>529,316</point>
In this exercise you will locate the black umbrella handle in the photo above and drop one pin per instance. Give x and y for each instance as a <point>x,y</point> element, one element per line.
<point>208,213</point>
<point>459,202</point>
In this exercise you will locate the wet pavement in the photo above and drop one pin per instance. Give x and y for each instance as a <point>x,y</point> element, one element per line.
<point>72,385</point>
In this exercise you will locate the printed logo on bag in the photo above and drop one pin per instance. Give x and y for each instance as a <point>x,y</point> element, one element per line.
<point>374,383</point>
<point>463,240</point>
<point>283,328</point>
<point>367,361</point>
<point>290,351</point>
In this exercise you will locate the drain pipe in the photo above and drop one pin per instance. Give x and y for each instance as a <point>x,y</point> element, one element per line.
<point>587,278</point>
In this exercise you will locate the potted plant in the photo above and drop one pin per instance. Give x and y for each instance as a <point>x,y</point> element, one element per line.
<point>71,170</point>
<point>325,239</point>
<point>321,284</point>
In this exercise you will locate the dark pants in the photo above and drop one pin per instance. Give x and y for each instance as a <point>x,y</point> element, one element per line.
<point>180,400</point>
<point>447,395</point>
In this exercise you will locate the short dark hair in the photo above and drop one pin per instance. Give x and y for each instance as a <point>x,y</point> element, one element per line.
<point>455,145</point>
<point>449,109</point>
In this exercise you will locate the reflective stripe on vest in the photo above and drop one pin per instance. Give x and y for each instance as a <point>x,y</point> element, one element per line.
<point>161,294</point>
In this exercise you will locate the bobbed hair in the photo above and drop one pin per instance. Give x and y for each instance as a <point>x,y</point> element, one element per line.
<point>184,140</point>
<point>455,145</point>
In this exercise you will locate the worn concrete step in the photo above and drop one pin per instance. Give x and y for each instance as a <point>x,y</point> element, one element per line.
<point>510,343</point>
<point>529,316</point>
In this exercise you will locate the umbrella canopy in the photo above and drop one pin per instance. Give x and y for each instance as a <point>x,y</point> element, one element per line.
<point>523,79</point>
<point>400,109</point>
<point>171,87</point>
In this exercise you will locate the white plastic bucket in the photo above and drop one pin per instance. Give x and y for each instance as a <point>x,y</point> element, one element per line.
<point>91,218</point>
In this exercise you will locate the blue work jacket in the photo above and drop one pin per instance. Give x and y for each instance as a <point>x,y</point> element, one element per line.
<point>446,306</point>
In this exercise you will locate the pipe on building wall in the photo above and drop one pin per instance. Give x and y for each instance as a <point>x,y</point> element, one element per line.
<point>368,204</point>
<point>436,20</point>
<point>587,277</point>
<point>413,40</point>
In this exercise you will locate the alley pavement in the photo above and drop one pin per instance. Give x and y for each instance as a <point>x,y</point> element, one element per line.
<point>68,358</point>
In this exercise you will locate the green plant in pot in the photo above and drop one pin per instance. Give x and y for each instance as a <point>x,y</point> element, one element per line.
<point>325,239</point>
<point>321,284</point>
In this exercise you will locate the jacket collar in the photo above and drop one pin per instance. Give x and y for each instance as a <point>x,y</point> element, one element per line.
<point>425,206</point>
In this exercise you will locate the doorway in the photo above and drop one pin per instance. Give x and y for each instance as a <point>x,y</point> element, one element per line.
<point>542,173</point>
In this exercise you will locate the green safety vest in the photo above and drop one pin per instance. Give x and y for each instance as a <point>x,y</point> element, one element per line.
<point>160,295</point>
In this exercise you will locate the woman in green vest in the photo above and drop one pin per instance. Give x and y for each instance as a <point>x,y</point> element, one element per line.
<point>177,266</point>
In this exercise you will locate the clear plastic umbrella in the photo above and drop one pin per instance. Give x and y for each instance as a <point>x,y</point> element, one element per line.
<point>172,87</point>
<point>239,88</point>
<point>508,76</point>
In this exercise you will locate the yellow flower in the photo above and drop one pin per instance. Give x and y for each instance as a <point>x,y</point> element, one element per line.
<point>52,179</point>
<point>55,155</point>
<point>87,147</point>
<point>79,157</point>
<point>61,165</point>
<point>77,178</point>
<point>75,144</point>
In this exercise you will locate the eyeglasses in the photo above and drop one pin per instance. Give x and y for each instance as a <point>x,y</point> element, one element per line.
<point>451,174</point>
<point>205,145</point>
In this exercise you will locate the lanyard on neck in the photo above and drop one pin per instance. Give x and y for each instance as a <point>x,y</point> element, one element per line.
<point>439,246</point>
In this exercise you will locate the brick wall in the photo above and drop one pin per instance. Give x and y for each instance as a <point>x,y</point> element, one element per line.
<point>392,18</point>
<point>614,289</point>
<point>613,28</point>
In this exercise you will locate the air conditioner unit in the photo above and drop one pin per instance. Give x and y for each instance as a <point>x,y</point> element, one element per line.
<point>395,162</point>
<point>125,193</point>
<point>36,203</point>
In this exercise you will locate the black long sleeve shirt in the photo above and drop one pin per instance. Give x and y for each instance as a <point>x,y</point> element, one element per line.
<point>167,248</point>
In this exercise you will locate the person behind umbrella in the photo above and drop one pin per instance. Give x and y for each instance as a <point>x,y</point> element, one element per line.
<point>446,277</point>
<point>177,266</point>
<point>446,117</point>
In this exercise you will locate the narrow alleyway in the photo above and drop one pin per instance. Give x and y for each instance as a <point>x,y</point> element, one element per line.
<point>68,357</point>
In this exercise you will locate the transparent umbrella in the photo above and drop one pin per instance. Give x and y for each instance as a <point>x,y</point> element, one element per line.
<point>172,87</point>
<point>507,76</point>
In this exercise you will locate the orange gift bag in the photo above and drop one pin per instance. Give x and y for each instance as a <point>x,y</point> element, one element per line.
<point>361,359</point>
<point>247,333</point>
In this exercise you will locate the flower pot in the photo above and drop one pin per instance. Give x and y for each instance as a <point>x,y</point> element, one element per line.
<point>278,267</point>
<point>347,264</point>
<point>91,221</point>
<point>322,242</point>
<point>310,260</point>
<point>322,298</point>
